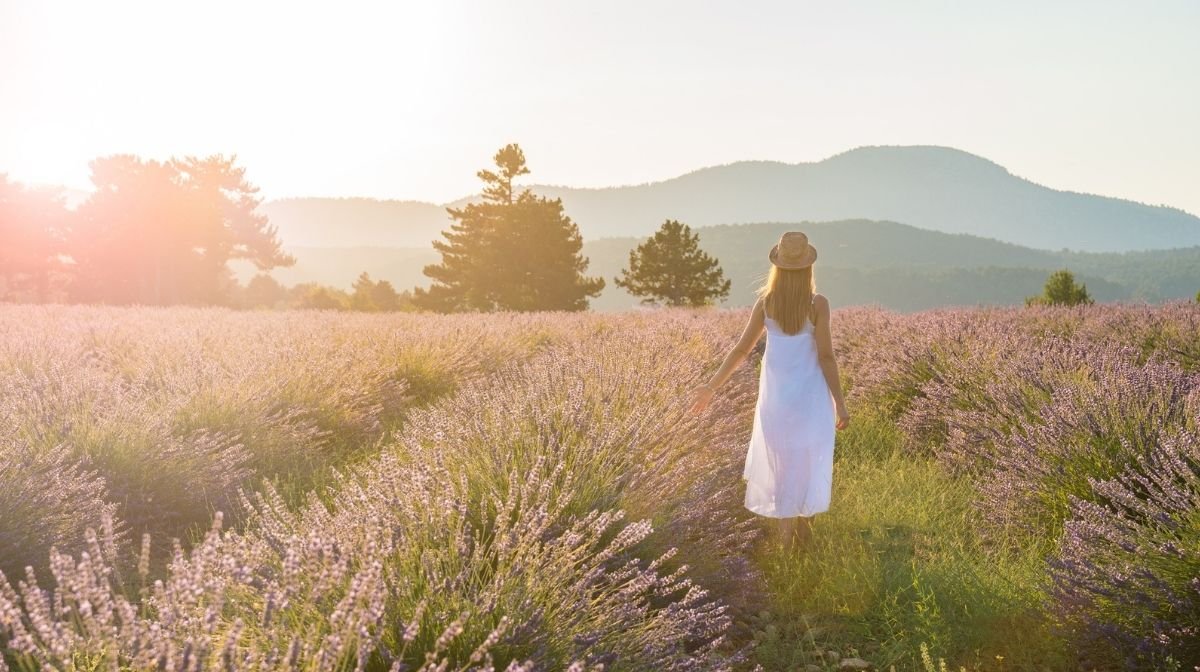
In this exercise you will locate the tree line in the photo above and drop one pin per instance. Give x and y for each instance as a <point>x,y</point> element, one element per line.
<point>151,233</point>
<point>514,250</point>
<point>164,232</point>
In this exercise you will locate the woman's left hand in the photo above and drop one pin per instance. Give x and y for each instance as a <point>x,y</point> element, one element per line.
<point>843,417</point>
<point>701,397</point>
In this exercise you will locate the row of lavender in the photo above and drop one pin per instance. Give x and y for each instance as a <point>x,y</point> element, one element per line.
<point>1080,427</point>
<point>520,491</point>
<point>527,491</point>
<point>157,418</point>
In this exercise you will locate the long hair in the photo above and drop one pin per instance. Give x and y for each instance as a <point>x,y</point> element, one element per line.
<point>787,297</point>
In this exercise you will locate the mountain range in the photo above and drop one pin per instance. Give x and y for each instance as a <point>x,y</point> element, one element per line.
<point>861,262</point>
<point>933,188</point>
<point>905,227</point>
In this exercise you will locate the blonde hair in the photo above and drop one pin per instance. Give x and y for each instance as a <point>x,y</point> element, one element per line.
<point>787,297</point>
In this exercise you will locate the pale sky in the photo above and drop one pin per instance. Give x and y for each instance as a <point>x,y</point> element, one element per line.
<point>407,100</point>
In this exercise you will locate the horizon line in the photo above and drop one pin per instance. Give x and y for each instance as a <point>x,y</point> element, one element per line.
<point>547,185</point>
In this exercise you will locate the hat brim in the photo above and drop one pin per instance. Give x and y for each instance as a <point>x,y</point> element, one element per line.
<point>810,255</point>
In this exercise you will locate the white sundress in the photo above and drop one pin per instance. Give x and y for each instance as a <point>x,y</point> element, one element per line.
<point>789,465</point>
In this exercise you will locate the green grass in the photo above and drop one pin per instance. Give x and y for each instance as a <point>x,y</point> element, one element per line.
<point>897,563</point>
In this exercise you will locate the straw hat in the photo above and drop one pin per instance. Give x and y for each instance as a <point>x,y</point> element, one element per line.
<point>793,252</point>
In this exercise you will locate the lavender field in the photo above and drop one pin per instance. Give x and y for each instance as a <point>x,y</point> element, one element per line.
<point>202,489</point>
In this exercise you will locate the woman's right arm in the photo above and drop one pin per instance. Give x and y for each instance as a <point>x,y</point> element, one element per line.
<point>828,362</point>
<point>702,396</point>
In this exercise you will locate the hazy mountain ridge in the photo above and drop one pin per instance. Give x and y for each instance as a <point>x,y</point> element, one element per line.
<point>860,261</point>
<point>931,188</point>
<point>934,188</point>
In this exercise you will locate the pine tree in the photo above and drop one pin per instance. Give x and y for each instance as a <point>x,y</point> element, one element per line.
<point>362,298</point>
<point>1061,290</point>
<point>671,268</point>
<point>163,232</point>
<point>374,296</point>
<point>511,251</point>
<point>385,296</point>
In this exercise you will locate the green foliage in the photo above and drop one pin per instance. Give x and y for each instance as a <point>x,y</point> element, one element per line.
<point>162,233</point>
<point>263,291</point>
<point>671,268</point>
<point>1126,574</point>
<point>513,251</point>
<point>902,268</point>
<point>898,563</point>
<point>374,296</point>
<point>32,225</point>
<point>370,296</point>
<point>318,297</point>
<point>1061,290</point>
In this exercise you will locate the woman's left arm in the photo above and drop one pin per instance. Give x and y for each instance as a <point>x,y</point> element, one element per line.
<point>828,362</point>
<point>702,396</point>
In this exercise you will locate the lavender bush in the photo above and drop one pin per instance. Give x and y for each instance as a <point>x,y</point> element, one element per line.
<point>1127,578</point>
<point>45,499</point>
<point>889,358</point>
<point>478,538</point>
<point>166,414</point>
<point>609,412</point>
<point>1111,415</point>
<point>392,574</point>
<point>395,578</point>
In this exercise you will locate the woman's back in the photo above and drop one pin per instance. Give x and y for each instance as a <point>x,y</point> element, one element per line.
<point>792,359</point>
<point>775,329</point>
<point>791,447</point>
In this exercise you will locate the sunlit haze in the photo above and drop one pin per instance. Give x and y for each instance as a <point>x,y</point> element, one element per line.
<point>407,100</point>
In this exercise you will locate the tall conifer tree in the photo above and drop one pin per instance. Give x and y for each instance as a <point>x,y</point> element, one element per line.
<point>670,268</point>
<point>511,251</point>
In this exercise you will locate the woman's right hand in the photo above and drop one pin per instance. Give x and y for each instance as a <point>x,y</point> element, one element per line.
<point>701,397</point>
<point>843,416</point>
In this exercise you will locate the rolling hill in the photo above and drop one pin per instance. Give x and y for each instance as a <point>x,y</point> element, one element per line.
<point>861,262</point>
<point>932,188</point>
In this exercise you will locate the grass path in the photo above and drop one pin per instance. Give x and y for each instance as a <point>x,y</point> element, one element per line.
<point>898,563</point>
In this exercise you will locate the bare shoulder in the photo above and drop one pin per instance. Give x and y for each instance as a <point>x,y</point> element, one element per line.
<point>821,304</point>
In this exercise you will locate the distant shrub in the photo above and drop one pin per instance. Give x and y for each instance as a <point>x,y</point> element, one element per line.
<point>1127,579</point>
<point>321,298</point>
<point>1061,290</point>
<point>262,291</point>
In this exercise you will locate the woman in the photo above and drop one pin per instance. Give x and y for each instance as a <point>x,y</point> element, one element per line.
<point>789,466</point>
